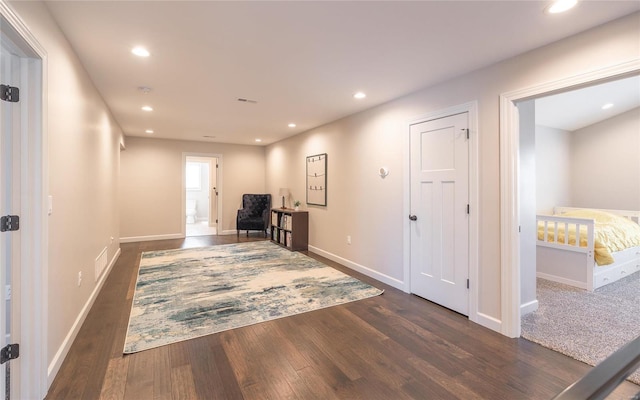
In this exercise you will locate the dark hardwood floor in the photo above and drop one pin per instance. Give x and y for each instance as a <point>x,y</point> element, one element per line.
<point>394,346</point>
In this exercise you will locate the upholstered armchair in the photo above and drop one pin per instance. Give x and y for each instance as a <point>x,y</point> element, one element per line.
<point>254,214</point>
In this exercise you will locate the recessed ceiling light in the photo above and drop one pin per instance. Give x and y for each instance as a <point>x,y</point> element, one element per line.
<point>258,140</point>
<point>560,6</point>
<point>147,108</point>
<point>149,131</point>
<point>291,125</point>
<point>140,51</point>
<point>607,106</point>
<point>359,95</point>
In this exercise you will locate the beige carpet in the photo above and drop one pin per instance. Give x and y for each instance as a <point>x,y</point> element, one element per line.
<point>587,326</point>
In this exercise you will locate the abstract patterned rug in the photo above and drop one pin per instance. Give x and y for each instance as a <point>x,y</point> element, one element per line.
<point>188,293</point>
<point>587,326</point>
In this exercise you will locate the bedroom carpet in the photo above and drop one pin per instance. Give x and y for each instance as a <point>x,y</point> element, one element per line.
<point>587,326</point>
<point>188,293</point>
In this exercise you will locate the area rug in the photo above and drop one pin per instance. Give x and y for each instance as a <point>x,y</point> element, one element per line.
<point>587,326</point>
<point>188,293</point>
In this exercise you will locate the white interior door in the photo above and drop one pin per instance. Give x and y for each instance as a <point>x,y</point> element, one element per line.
<point>23,187</point>
<point>439,211</point>
<point>9,206</point>
<point>5,251</point>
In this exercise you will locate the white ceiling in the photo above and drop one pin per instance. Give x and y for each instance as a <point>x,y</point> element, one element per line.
<point>301,61</point>
<point>577,109</point>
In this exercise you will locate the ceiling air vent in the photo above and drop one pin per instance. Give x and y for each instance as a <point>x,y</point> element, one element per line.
<point>247,101</point>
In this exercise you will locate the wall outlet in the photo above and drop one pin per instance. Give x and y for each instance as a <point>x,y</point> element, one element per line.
<point>79,277</point>
<point>348,239</point>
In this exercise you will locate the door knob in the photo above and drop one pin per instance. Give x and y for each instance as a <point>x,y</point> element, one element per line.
<point>413,217</point>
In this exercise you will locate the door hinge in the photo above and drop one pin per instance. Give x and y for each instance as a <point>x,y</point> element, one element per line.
<point>467,133</point>
<point>467,283</point>
<point>9,93</point>
<point>468,209</point>
<point>9,223</point>
<point>9,352</point>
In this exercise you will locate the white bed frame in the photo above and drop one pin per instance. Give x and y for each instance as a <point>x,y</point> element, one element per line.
<point>574,265</point>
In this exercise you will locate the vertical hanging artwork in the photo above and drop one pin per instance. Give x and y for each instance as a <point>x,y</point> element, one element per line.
<point>317,179</point>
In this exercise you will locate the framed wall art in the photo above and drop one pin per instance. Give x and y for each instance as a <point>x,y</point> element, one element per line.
<point>317,179</point>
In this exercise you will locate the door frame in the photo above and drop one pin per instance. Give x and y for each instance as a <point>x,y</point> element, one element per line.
<point>219,174</point>
<point>32,366</point>
<point>213,198</point>
<point>471,108</point>
<point>509,179</point>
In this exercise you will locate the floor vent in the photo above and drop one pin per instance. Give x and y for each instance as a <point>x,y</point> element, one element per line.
<point>101,263</point>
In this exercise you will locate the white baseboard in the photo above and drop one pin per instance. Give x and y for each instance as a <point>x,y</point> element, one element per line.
<point>482,319</point>
<point>489,322</point>
<point>558,279</point>
<point>398,284</point>
<point>151,237</point>
<point>529,307</point>
<point>60,355</point>
<point>167,236</point>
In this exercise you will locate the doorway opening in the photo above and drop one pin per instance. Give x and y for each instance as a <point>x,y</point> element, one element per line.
<point>578,162</point>
<point>514,278</point>
<point>201,195</point>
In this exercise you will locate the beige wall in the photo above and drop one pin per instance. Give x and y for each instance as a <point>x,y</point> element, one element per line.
<point>528,161</point>
<point>370,209</point>
<point>553,173</point>
<point>151,194</point>
<point>596,166</point>
<point>83,168</point>
<point>605,163</point>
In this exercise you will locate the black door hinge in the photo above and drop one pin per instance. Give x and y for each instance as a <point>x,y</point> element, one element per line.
<point>467,284</point>
<point>9,93</point>
<point>467,133</point>
<point>9,223</point>
<point>468,209</point>
<point>9,352</point>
